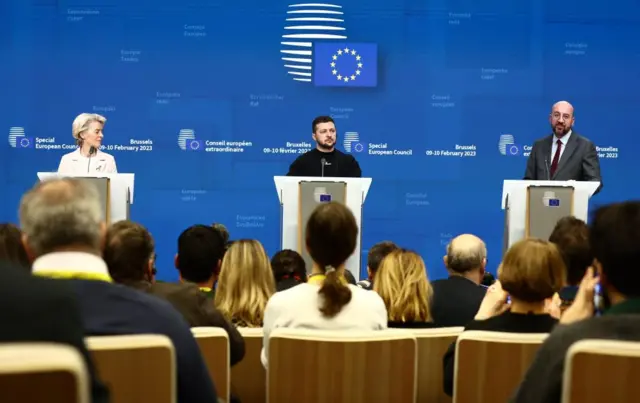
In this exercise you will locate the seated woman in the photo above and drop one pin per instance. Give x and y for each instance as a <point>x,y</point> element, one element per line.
<point>531,272</point>
<point>289,269</point>
<point>245,283</point>
<point>402,283</point>
<point>11,247</point>
<point>326,301</point>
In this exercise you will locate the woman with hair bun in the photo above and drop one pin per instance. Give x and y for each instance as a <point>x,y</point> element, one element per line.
<point>326,301</point>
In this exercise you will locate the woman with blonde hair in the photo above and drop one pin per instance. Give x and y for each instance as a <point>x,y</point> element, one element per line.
<point>246,283</point>
<point>87,158</point>
<point>531,272</point>
<point>403,284</point>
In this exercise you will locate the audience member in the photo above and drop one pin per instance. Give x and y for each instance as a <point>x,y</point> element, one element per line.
<point>488,279</point>
<point>571,236</point>
<point>63,233</point>
<point>532,271</point>
<point>200,252</point>
<point>326,301</point>
<point>11,248</point>
<point>456,299</point>
<point>246,283</point>
<point>374,257</point>
<point>43,310</point>
<point>402,283</point>
<point>130,256</point>
<point>614,236</point>
<point>289,269</point>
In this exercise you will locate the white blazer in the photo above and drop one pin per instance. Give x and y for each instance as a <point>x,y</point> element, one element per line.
<point>76,163</point>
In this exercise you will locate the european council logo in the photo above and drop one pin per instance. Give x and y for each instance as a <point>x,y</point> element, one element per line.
<point>17,138</point>
<point>187,140</point>
<point>318,27</point>
<point>507,145</point>
<point>352,142</point>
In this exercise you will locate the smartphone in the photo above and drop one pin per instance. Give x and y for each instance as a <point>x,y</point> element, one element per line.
<point>598,301</point>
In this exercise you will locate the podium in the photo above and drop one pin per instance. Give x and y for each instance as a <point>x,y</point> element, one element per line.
<point>532,208</point>
<point>115,190</point>
<point>300,195</point>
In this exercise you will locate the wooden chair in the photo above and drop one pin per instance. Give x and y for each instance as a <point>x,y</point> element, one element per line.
<point>248,377</point>
<point>432,344</point>
<point>42,373</point>
<point>490,365</point>
<point>602,371</point>
<point>214,345</point>
<point>137,368</point>
<point>334,367</point>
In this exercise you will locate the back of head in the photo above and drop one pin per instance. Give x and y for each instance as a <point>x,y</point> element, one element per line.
<point>378,252</point>
<point>331,236</point>
<point>223,231</point>
<point>11,248</point>
<point>466,253</point>
<point>571,236</point>
<point>615,241</point>
<point>129,248</point>
<point>288,263</point>
<point>200,250</point>
<point>61,213</point>
<point>532,270</point>
<point>403,285</point>
<point>246,283</point>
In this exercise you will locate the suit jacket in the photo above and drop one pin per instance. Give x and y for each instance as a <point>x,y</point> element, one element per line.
<point>76,163</point>
<point>579,161</point>
<point>43,310</point>
<point>198,310</point>
<point>456,301</point>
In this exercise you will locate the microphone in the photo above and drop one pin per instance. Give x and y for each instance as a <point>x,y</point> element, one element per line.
<point>546,167</point>
<point>323,162</point>
<point>92,150</point>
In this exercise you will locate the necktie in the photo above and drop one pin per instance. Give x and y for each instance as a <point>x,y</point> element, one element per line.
<point>556,158</point>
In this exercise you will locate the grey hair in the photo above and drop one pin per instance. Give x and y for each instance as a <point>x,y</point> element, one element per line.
<point>81,124</point>
<point>61,212</point>
<point>464,259</point>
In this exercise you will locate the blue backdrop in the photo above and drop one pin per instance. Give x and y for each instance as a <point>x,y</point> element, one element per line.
<point>441,81</point>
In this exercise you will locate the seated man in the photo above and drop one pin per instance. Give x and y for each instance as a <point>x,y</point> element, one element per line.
<point>130,256</point>
<point>63,234</point>
<point>377,252</point>
<point>43,310</point>
<point>200,252</point>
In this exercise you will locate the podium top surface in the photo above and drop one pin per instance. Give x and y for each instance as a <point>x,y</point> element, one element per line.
<point>284,181</point>
<point>509,186</point>
<point>121,179</point>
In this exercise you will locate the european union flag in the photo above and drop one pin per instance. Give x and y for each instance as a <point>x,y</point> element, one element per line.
<point>24,142</point>
<point>325,198</point>
<point>194,145</point>
<point>345,64</point>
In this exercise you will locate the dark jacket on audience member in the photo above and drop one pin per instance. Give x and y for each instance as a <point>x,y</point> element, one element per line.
<point>197,309</point>
<point>456,301</point>
<point>507,322</point>
<point>543,380</point>
<point>44,310</point>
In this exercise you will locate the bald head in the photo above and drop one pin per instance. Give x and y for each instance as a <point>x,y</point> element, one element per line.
<point>465,253</point>
<point>61,213</point>
<point>561,118</point>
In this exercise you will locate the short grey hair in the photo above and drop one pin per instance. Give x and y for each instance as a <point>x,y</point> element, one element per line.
<point>467,256</point>
<point>81,124</point>
<point>57,213</point>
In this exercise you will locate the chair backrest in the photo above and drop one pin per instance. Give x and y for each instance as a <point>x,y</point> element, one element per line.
<point>333,367</point>
<point>490,365</point>
<point>42,372</point>
<point>137,368</point>
<point>248,377</point>
<point>432,345</point>
<point>602,371</point>
<point>214,345</point>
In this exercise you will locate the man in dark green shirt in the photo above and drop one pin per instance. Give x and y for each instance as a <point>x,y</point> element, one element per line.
<point>614,236</point>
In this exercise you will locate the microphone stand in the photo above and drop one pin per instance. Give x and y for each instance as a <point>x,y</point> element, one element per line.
<point>92,150</point>
<point>323,163</point>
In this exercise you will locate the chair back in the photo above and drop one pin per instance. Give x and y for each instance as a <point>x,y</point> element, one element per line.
<point>214,345</point>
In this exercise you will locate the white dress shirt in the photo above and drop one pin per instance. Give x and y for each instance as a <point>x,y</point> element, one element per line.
<point>75,163</point>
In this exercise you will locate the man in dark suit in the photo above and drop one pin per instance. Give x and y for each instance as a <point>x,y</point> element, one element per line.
<point>457,299</point>
<point>43,310</point>
<point>563,155</point>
